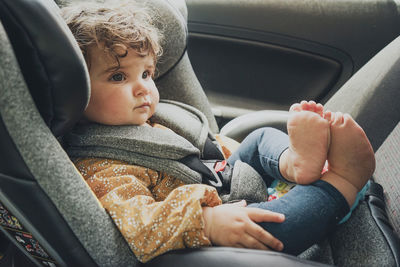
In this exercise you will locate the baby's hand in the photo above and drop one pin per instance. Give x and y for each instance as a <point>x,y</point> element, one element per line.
<point>234,225</point>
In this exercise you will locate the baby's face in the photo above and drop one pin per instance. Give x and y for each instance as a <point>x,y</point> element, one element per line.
<point>124,96</point>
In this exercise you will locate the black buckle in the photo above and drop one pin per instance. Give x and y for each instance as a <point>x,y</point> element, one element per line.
<point>217,183</point>
<point>222,177</point>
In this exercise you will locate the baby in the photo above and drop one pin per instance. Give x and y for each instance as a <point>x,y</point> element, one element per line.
<point>156,212</point>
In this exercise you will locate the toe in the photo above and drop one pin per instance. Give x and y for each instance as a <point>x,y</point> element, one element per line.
<point>347,117</point>
<point>348,120</point>
<point>295,107</point>
<point>305,105</point>
<point>319,108</point>
<point>312,105</point>
<point>338,118</point>
<point>328,115</point>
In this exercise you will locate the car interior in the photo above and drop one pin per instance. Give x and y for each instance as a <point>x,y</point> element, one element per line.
<point>50,217</point>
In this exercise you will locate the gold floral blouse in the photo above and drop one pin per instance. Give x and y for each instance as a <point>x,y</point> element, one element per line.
<point>154,212</point>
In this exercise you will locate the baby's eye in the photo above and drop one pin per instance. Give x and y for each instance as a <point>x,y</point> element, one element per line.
<point>146,74</point>
<point>118,77</point>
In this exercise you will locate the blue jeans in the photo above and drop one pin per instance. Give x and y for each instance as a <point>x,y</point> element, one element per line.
<point>311,211</point>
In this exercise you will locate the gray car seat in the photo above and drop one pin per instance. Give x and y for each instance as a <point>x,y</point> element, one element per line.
<point>47,210</point>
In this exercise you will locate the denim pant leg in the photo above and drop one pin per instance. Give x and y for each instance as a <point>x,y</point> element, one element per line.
<point>261,149</point>
<point>311,213</point>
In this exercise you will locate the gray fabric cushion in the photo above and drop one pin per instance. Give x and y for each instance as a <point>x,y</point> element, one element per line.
<point>371,96</point>
<point>181,84</point>
<point>321,252</point>
<point>53,170</point>
<point>184,120</point>
<point>172,23</point>
<point>246,184</point>
<point>359,242</point>
<point>387,174</point>
<point>153,148</point>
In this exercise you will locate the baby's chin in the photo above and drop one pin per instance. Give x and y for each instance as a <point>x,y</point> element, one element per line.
<point>140,122</point>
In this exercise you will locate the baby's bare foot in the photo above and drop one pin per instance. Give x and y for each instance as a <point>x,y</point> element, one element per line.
<point>350,155</point>
<point>309,142</point>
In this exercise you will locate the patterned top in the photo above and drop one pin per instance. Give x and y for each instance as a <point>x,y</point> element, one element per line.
<point>154,212</point>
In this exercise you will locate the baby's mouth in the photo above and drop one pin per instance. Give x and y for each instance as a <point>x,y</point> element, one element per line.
<point>144,105</point>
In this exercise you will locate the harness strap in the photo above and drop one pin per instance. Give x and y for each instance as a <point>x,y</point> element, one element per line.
<point>211,171</point>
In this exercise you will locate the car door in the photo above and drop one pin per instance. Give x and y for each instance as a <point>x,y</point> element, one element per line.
<point>252,55</point>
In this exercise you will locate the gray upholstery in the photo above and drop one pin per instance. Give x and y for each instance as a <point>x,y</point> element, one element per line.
<point>359,242</point>
<point>387,173</point>
<point>371,96</point>
<point>181,84</point>
<point>241,126</point>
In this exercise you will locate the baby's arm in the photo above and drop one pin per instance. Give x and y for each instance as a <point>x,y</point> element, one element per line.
<point>152,214</point>
<point>152,228</point>
<point>234,225</point>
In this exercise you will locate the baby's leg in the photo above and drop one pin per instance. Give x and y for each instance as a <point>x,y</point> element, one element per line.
<point>351,158</point>
<point>311,211</point>
<point>309,142</point>
<point>261,149</point>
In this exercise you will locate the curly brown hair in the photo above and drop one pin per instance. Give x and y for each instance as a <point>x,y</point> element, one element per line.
<point>114,26</point>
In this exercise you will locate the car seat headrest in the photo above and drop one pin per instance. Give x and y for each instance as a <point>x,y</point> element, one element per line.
<point>50,60</point>
<point>173,25</point>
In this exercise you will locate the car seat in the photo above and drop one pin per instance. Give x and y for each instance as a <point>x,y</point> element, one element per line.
<point>47,210</point>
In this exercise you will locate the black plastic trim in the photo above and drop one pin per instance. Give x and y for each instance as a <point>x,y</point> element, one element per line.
<point>228,257</point>
<point>377,206</point>
<point>42,42</point>
<point>27,201</point>
<point>280,40</point>
<point>11,162</point>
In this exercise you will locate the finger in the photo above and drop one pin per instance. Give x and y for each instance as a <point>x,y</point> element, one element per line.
<point>260,215</point>
<point>264,236</point>
<point>249,241</point>
<point>241,203</point>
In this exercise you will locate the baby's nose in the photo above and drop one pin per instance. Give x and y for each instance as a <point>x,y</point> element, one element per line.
<point>140,89</point>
